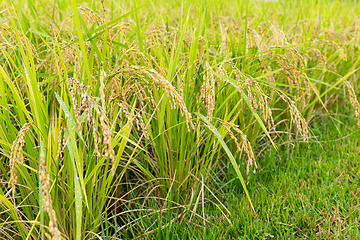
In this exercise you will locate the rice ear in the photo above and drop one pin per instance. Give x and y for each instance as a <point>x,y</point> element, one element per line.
<point>48,205</point>
<point>297,118</point>
<point>353,100</point>
<point>245,143</point>
<point>16,154</point>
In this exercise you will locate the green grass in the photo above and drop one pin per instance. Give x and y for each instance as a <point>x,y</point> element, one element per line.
<point>313,193</point>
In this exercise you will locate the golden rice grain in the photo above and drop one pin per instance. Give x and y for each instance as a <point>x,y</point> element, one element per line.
<point>16,154</point>
<point>48,206</point>
<point>224,40</point>
<point>279,35</point>
<point>209,79</point>
<point>296,117</point>
<point>246,144</point>
<point>157,79</point>
<point>71,82</point>
<point>106,130</point>
<point>90,15</point>
<point>353,100</point>
<point>257,99</point>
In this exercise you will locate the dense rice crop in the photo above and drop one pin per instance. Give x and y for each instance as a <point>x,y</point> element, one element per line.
<point>115,111</point>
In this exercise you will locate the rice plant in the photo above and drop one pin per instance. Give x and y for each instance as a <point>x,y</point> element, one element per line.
<point>114,114</point>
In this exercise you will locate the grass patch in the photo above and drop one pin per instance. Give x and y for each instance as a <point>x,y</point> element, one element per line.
<point>312,193</point>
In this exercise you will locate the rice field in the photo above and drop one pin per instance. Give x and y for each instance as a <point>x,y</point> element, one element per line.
<point>131,119</point>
